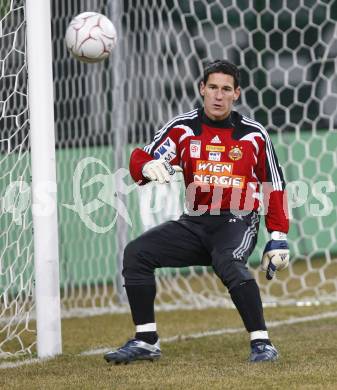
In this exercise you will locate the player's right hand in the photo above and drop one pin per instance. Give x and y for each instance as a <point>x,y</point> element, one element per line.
<point>160,170</point>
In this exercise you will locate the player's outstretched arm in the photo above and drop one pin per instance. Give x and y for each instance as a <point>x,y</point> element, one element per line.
<point>275,255</point>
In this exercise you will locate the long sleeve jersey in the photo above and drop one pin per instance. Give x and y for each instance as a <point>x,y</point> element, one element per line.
<point>225,163</point>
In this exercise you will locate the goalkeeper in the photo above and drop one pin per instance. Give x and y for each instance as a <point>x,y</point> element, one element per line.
<point>225,158</point>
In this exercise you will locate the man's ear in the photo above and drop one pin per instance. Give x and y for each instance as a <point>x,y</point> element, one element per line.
<point>202,88</point>
<point>237,94</point>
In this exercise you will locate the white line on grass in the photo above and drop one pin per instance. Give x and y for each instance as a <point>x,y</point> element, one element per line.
<point>21,363</point>
<point>217,332</point>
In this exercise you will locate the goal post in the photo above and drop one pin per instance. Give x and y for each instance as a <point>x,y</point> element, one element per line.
<point>44,187</point>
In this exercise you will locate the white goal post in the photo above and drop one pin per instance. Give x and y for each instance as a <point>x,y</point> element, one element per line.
<point>286,51</point>
<point>29,272</point>
<point>44,187</point>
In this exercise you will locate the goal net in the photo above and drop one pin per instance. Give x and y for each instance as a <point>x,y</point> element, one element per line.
<point>17,332</point>
<point>286,51</point>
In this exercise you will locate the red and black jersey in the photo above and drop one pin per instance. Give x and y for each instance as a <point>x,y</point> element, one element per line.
<point>224,162</point>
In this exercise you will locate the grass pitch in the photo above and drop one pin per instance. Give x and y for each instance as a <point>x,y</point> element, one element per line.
<point>308,354</point>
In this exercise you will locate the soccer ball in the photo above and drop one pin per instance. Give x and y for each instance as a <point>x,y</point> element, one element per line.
<point>90,37</point>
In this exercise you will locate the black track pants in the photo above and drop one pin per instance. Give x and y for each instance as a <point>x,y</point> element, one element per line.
<point>224,241</point>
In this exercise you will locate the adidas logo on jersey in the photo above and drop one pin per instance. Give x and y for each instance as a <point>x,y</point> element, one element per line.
<point>215,140</point>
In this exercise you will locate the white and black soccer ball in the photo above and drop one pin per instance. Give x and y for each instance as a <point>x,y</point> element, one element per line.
<point>90,37</point>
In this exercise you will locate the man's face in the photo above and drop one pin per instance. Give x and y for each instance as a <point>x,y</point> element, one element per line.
<point>219,95</point>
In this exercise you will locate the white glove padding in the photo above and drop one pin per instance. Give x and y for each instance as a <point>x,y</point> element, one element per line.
<point>160,170</point>
<point>275,257</point>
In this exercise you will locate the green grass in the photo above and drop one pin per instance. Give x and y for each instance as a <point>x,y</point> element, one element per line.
<point>308,355</point>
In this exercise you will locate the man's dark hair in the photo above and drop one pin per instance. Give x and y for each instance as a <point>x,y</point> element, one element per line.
<point>222,66</point>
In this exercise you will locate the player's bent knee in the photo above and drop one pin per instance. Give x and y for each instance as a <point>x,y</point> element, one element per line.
<point>136,266</point>
<point>232,273</point>
<point>131,251</point>
<point>132,255</point>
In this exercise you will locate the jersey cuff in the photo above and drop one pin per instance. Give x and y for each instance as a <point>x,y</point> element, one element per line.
<point>278,236</point>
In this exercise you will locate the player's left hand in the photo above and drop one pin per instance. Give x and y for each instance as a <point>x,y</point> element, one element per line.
<point>275,257</point>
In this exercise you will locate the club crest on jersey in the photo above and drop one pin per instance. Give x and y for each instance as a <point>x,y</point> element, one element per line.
<point>235,153</point>
<point>166,150</point>
<point>215,140</point>
<point>195,148</point>
<point>214,156</point>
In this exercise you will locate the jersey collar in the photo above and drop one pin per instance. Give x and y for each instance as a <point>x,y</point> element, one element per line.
<point>226,123</point>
